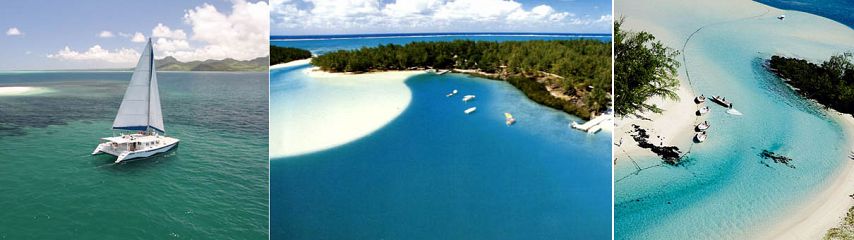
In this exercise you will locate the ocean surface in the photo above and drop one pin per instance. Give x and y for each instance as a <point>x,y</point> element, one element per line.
<point>839,10</point>
<point>726,190</point>
<point>436,173</point>
<point>213,186</point>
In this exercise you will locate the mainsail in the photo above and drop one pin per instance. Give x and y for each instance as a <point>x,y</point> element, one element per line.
<point>140,109</point>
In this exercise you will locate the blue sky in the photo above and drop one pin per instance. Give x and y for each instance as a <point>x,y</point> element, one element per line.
<point>318,17</point>
<point>33,35</point>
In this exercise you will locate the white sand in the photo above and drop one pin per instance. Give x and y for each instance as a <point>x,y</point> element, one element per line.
<point>337,108</point>
<point>291,63</point>
<point>22,91</point>
<point>803,35</point>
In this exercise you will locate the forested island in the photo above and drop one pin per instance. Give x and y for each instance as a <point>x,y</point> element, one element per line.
<point>831,83</point>
<point>570,75</point>
<point>287,54</point>
<point>260,64</point>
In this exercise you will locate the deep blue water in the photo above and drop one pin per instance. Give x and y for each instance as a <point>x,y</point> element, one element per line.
<point>436,173</point>
<point>839,10</point>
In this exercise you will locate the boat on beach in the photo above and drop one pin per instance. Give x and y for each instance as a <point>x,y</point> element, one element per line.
<point>440,72</point>
<point>700,99</point>
<point>466,98</point>
<point>701,136</point>
<point>722,101</point>
<point>703,126</point>
<point>140,119</point>
<point>470,110</point>
<point>704,110</point>
<point>508,119</point>
<point>452,93</point>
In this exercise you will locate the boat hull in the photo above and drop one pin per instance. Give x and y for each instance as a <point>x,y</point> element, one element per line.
<point>134,155</point>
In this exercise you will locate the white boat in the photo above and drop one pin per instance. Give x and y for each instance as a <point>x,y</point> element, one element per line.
<point>140,119</point>
<point>470,110</point>
<point>466,98</point>
<point>781,17</point>
<point>704,110</point>
<point>701,136</point>
<point>722,101</point>
<point>700,99</point>
<point>440,72</point>
<point>452,93</point>
<point>703,126</point>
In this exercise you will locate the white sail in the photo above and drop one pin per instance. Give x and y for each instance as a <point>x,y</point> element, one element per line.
<point>140,109</point>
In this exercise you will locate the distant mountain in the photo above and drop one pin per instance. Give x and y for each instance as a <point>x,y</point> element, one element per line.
<point>260,64</point>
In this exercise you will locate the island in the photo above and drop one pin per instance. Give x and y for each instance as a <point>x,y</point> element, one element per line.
<point>831,83</point>
<point>569,75</point>
<point>225,65</point>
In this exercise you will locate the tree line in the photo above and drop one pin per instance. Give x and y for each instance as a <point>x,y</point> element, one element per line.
<point>645,68</point>
<point>580,68</point>
<point>831,83</point>
<point>287,54</point>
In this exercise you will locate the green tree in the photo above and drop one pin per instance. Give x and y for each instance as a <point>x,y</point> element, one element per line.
<point>644,68</point>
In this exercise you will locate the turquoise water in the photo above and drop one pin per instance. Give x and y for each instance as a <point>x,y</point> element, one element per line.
<point>436,173</point>
<point>213,186</point>
<point>726,190</point>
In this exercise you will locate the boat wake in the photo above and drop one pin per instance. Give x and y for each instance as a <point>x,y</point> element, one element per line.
<point>732,111</point>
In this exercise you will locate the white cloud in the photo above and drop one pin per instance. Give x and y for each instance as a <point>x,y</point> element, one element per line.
<point>359,16</point>
<point>243,34</point>
<point>162,31</point>
<point>137,37</point>
<point>13,31</point>
<point>97,53</point>
<point>106,34</point>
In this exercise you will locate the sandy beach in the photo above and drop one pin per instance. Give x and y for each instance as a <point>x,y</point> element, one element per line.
<point>291,63</point>
<point>337,108</point>
<point>803,35</point>
<point>22,91</point>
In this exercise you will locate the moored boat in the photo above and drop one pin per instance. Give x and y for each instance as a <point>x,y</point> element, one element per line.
<point>508,119</point>
<point>470,110</point>
<point>704,110</point>
<point>722,101</point>
<point>701,136</point>
<point>700,99</point>
<point>703,126</point>
<point>452,93</point>
<point>466,98</point>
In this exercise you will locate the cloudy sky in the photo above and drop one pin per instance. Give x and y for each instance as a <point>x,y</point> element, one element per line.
<point>108,34</point>
<point>319,17</point>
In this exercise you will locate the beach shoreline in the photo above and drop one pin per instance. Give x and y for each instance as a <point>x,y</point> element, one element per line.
<point>827,207</point>
<point>291,63</point>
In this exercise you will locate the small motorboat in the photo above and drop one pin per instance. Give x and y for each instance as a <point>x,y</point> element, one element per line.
<point>701,136</point>
<point>704,110</point>
<point>470,110</point>
<point>722,101</point>
<point>466,98</point>
<point>509,120</point>
<point>700,99</point>
<point>440,72</point>
<point>781,17</point>
<point>703,126</point>
<point>452,93</point>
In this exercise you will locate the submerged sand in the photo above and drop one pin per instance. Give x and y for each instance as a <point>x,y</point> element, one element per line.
<point>291,63</point>
<point>339,108</point>
<point>804,35</point>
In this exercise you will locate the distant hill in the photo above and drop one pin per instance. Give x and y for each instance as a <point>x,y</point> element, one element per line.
<point>260,64</point>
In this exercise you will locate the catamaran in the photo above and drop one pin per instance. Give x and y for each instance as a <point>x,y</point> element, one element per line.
<point>140,119</point>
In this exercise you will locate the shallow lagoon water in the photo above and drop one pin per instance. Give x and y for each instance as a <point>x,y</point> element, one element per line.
<point>435,172</point>
<point>212,186</point>
<point>726,190</point>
